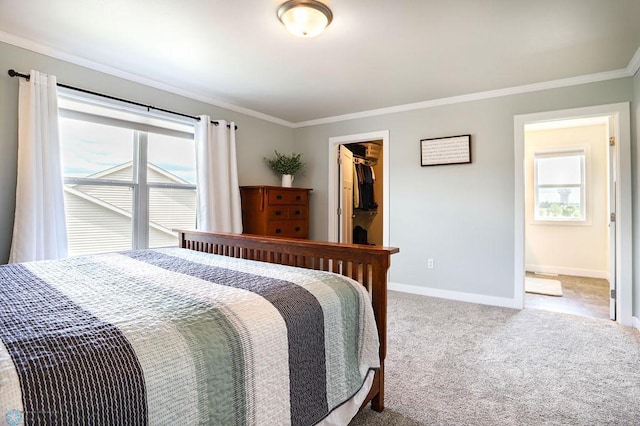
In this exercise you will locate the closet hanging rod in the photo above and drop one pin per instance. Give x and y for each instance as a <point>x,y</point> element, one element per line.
<point>13,73</point>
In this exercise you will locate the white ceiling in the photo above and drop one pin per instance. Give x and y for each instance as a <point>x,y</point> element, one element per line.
<point>375,54</point>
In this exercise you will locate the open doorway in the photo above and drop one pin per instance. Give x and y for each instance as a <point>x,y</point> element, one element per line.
<point>569,200</point>
<point>359,162</point>
<point>620,245</point>
<point>360,213</point>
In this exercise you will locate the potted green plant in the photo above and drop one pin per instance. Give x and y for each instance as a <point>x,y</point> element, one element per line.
<point>285,165</point>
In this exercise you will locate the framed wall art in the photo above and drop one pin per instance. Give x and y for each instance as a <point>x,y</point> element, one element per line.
<point>447,150</point>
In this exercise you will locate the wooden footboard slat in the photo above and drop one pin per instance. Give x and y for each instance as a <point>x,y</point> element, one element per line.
<point>353,270</point>
<point>335,265</point>
<point>366,264</point>
<point>324,264</point>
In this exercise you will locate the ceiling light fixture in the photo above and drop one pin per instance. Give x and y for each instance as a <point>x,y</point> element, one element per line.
<point>305,18</point>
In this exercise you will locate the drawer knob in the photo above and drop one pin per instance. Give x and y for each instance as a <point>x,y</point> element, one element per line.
<point>278,212</point>
<point>278,230</point>
<point>298,197</point>
<point>278,197</point>
<point>297,211</point>
<point>297,229</point>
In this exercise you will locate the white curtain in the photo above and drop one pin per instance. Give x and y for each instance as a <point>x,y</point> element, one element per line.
<point>39,229</point>
<point>218,197</point>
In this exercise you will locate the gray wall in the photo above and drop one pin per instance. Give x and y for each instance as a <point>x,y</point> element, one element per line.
<point>256,138</point>
<point>635,162</point>
<point>462,215</point>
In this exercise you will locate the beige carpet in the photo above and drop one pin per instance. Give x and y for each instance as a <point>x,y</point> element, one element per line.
<point>543,286</point>
<point>462,364</point>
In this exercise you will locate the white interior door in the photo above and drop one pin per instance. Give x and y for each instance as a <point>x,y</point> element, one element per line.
<point>612,218</point>
<point>345,207</point>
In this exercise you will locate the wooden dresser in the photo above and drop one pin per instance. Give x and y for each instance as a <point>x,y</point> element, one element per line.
<point>275,211</point>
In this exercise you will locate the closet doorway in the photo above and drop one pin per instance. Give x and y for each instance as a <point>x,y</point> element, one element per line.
<point>358,188</point>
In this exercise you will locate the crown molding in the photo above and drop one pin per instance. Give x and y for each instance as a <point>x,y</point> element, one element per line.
<point>634,63</point>
<point>67,57</point>
<point>527,88</point>
<point>33,46</point>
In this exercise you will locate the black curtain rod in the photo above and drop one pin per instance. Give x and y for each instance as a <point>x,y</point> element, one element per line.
<point>13,73</point>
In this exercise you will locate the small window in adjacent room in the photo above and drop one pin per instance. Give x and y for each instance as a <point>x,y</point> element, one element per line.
<point>559,186</point>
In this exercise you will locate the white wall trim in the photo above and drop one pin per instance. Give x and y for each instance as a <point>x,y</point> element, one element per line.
<point>332,219</point>
<point>634,64</point>
<point>561,270</point>
<point>527,88</point>
<point>33,46</point>
<point>624,244</point>
<point>453,295</point>
<point>68,57</point>
<point>636,323</point>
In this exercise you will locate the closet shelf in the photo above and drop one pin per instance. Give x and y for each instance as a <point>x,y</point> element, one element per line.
<point>365,212</point>
<point>366,161</point>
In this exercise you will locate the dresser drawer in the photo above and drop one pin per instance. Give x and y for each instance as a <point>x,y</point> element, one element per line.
<point>288,228</point>
<point>285,212</point>
<point>287,197</point>
<point>275,211</point>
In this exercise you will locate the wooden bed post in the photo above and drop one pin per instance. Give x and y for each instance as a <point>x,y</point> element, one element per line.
<point>379,301</point>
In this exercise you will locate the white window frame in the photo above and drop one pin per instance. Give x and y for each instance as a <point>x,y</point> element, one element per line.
<point>142,122</point>
<point>574,151</point>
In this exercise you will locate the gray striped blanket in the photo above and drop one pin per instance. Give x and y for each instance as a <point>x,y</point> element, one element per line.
<point>173,336</point>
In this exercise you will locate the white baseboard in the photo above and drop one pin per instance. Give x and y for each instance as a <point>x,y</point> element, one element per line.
<point>576,272</point>
<point>453,295</point>
<point>636,323</point>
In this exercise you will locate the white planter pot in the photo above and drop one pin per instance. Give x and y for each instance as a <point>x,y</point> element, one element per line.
<point>287,180</point>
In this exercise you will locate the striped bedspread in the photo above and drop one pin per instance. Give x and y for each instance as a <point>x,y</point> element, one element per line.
<point>178,337</point>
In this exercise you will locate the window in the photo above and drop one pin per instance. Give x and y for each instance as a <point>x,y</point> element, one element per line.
<point>559,185</point>
<point>129,178</point>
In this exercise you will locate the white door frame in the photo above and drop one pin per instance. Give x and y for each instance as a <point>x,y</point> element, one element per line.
<point>612,196</point>
<point>624,248</point>
<point>334,183</point>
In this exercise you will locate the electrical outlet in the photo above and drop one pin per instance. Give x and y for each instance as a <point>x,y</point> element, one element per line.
<point>430,263</point>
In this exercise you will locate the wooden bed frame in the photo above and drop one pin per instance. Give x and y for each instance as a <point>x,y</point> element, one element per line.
<point>366,264</point>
